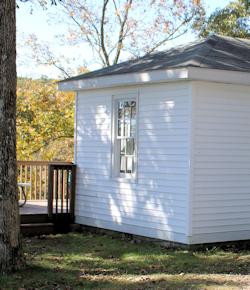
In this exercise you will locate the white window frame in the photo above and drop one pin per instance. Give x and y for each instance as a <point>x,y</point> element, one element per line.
<point>115,146</point>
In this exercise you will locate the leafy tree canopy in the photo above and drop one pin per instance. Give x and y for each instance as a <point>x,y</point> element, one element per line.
<point>233,20</point>
<point>45,121</point>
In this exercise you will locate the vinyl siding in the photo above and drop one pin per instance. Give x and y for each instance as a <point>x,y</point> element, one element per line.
<point>221,163</point>
<point>155,204</point>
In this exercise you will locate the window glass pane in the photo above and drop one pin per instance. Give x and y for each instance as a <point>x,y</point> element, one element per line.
<point>133,109</point>
<point>132,128</point>
<point>120,105</point>
<point>130,165</point>
<point>130,146</point>
<point>123,146</point>
<point>120,128</point>
<point>127,110</point>
<point>120,114</point>
<point>126,128</point>
<point>131,103</point>
<point>126,131</point>
<point>123,164</point>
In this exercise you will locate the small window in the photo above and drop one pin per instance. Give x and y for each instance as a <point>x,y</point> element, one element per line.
<point>125,112</point>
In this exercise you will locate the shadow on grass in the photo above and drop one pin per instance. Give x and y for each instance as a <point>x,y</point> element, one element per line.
<point>99,252</point>
<point>90,261</point>
<point>162,282</point>
<point>42,278</point>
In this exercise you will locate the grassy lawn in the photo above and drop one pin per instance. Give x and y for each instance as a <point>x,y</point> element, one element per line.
<point>91,261</point>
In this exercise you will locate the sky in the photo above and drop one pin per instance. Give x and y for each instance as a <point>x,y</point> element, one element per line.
<point>34,20</point>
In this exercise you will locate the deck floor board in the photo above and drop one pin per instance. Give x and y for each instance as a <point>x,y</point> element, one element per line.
<point>34,207</point>
<point>39,207</point>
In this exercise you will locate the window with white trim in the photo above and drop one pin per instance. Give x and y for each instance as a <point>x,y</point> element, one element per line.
<point>125,137</point>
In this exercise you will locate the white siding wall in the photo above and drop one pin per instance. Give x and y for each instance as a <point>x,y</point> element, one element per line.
<point>156,204</point>
<point>221,163</point>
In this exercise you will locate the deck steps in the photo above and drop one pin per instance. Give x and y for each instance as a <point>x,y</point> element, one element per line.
<point>32,229</point>
<point>34,218</point>
<point>36,224</point>
<point>41,224</point>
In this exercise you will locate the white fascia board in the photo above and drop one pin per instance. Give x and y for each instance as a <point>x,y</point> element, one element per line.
<point>156,76</point>
<point>219,76</point>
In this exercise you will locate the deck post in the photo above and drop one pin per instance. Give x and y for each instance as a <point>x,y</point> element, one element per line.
<point>72,192</point>
<point>50,190</point>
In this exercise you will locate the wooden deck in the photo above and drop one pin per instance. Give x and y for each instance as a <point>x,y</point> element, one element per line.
<point>35,219</point>
<point>54,180</point>
<point>40,207</point>
<point>34,207</point>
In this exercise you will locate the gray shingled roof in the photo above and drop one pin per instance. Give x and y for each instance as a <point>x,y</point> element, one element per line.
<point>214,52</point>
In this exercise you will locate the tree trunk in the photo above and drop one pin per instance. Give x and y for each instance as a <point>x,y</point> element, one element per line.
<point>10,242</point>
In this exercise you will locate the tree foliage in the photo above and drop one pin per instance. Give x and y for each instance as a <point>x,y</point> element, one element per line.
<point>45,121</point>
<point>233,20</point>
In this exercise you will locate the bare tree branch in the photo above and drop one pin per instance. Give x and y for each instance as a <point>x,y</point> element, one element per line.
<point>121,33</point>
<point>117,12</point>
<point>96,46</point>
<point>60,68</point>
<point>111,27</point>
<point>105,3</point>
<point>171,35</point>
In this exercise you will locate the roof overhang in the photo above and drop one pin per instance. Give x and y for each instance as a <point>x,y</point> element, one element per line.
<point>157,76</point>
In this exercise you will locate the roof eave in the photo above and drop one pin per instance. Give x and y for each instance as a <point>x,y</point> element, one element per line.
<point>157,76</point>
<point>219,76</point>
<point>124,79</point>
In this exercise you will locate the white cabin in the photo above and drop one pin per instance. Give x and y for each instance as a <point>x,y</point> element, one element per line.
<point>162,144</point>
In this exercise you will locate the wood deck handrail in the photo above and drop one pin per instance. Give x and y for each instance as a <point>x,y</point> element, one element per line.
<point>36,173</point>
<point>61,189</point>
<point>24,162</point>
<point>51,182</point>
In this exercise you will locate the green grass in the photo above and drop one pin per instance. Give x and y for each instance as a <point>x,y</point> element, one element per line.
<point>91,261</point>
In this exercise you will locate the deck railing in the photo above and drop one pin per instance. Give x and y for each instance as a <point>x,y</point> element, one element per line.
<point>51,184</point>
<point>36,174</point>
<point>52,181</point>
<point>61,189</point>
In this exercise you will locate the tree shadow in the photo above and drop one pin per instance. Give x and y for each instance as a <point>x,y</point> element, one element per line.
<point>101,254</point>
<point>36,277</point>
<point>91,261</point>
